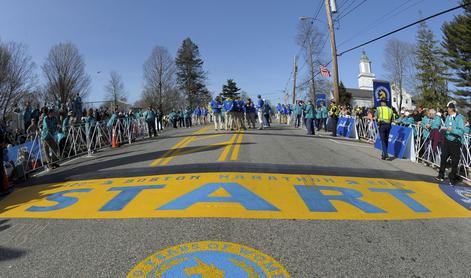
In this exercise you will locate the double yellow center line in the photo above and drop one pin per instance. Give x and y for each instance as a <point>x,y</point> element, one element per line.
<point>179,148</point>
<point>168,155</point>
<point>237,139</point>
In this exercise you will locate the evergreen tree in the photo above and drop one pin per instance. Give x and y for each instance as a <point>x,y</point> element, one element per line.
<point>230,90</point>
<point>457,45</point>
<point>344,96</point>
<point>431,76</point>
<point>190,74</point>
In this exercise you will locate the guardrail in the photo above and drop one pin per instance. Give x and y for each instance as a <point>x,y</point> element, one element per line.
<point>427,149</point>
<point>78,140</point>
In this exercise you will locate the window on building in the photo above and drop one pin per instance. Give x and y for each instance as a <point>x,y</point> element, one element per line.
<point>407,101</point>
<point>394,99</point>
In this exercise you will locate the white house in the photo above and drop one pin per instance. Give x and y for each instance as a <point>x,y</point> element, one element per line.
<point>363,96</point>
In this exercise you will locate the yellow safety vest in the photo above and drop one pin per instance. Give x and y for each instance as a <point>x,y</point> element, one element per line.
<point>385,114</point>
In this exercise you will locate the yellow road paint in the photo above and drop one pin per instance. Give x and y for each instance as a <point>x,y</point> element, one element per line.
<point>209,136</point>
<point>209,259</point>
<point>176,152</point>
<point>235,152</point>
<point>175,148</point>
<point>202,148</point>
<point>227,149</point>
<point>238,195</point>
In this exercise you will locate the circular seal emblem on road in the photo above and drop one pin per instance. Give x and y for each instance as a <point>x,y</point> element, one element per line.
<point>209,259</point>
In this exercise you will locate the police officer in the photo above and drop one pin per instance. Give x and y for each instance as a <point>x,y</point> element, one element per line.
<point>454,124</point>
<point>334,116</point>
<point>385,116</point>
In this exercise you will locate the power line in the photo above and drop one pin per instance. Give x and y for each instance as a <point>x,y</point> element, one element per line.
<point>319,9</point>
<point>385,17</point>
<point>402,28</point>
<point>350,11</point>
<point>343,9</point>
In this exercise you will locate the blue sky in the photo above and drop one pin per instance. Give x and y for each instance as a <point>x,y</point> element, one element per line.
<point>251,41</point>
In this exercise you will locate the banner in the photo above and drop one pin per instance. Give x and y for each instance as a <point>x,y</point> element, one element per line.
<point>346,127</point>
<point>381,90</point>
<point>21,152</point>
<point>400,142</point>
<point>321,98</point>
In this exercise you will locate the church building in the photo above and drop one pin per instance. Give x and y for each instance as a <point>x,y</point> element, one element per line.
<point>363,95</point>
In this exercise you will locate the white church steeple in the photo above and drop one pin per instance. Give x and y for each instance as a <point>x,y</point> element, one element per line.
<point>365,78</point>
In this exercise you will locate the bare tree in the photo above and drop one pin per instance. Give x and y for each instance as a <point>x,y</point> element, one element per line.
<point>16,76</point>
<point>311,41</point>
<point>115,89</point>
<point>159,77</point>
<point>64,71</point>
<point>399,65</point>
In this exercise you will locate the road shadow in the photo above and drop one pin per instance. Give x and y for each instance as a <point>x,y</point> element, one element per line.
<point>10,254</point>
<point>91,168</point>
<point>237,167</point>
<point>4,225</point>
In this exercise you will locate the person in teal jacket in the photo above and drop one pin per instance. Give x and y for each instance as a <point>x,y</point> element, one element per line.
<point>318,118</point>
<point>27,115</point>
<point>429,123</point>
<point>407,120</point>
<point>309,115</point>
<point>173,118</point>
<point>66,123</point>
<point>298,113</point>
<point>48,133</point>
<point>324,116</point>
<point>149,117</point>
<point>454,124</point>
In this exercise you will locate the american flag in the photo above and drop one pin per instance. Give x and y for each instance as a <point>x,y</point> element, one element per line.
<point>324,71</point>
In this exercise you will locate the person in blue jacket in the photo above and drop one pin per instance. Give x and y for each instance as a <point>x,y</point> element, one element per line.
<point>250,113</point>
<point>229,116</point>
<point>259,106</point>
<point>454,124</point>
<point>216,107</point>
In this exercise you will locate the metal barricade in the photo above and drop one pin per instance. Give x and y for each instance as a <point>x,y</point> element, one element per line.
<point>425,151</point>
<point>81,139</point>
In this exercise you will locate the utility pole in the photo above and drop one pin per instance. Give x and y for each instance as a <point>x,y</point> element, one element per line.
<point>311,69</point>
<point>334,51</point>
<point>295,72</point>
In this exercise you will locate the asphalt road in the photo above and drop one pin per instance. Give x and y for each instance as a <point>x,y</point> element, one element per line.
<point>318,206</point>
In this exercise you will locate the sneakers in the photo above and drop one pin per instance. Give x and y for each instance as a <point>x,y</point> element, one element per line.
<point>439,178</point>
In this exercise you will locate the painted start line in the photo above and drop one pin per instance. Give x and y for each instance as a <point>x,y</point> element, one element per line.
<point>240,195</point>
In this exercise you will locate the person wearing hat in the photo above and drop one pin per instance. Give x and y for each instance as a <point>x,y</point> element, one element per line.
<point>334,116</point>
<point>454,124</point>
<point>384,115</point>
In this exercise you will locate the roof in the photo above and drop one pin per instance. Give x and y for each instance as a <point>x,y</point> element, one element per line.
<point>359,93</point>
